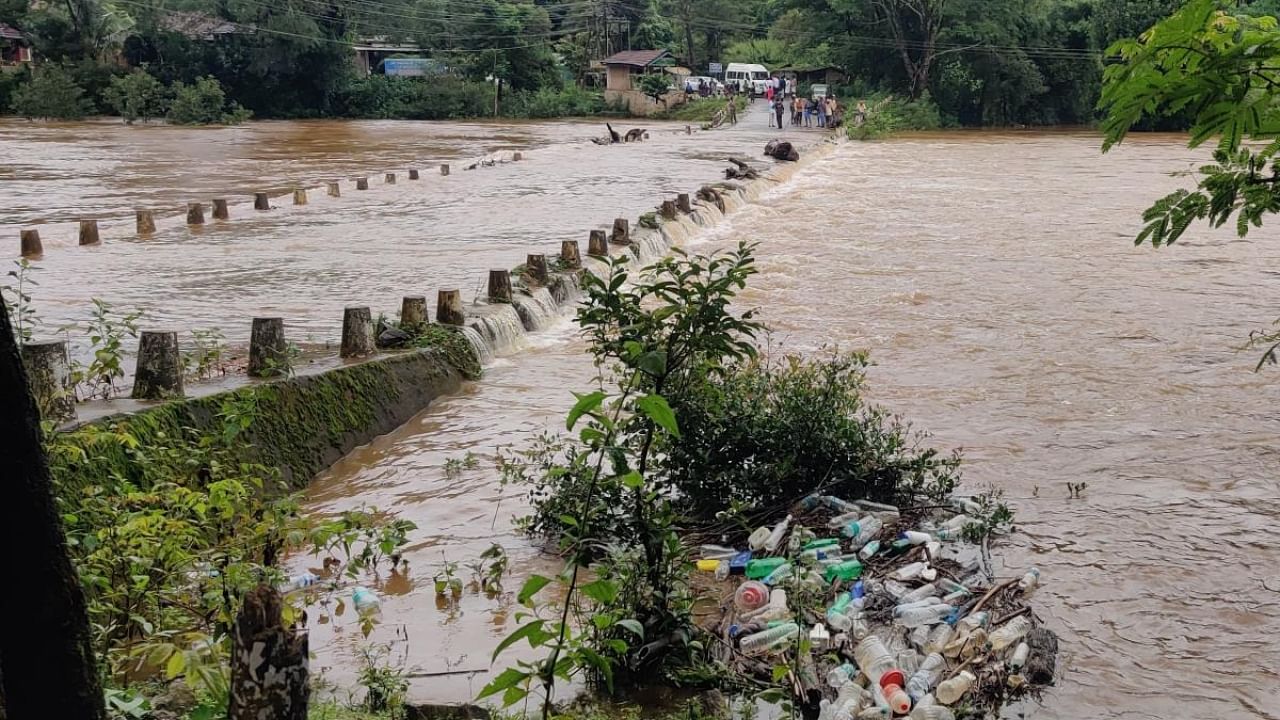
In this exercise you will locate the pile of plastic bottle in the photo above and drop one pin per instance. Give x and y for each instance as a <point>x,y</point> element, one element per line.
<point>907,629</point>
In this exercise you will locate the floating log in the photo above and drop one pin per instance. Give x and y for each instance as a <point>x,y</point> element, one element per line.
<point>390,178</point>
<point>500,286</point>
<point>634,135</point>
<point>570,256</point>
<point>444,169</point>
<point>261,201</point>
<point>158,374</point>
<point>220,209</point>
<point>49,377</point>
<point>357,332</point>
<point>621,231</point>
<point>30,242</point>
<point>449,308</point>
<point>597,245</point>
<point>413,174</point>
<point>195,213</point>
<point>413,311</point>
<point>362,183</point>
<point>89,232</point>
<point>683,203</point>
<point>146,222</point>
<point>740,171</point>
<point>614,137</point>
<point>668,209</point>
<point>299,196</point>
<point>536,268</point>
<point>268,350</point>
<point>269,662</point>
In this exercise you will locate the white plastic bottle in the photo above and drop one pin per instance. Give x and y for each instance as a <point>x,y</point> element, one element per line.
<point>775,609</point>
<point>873,658</point>
<point>927,675</point>
<point>909,572</point>
<point>868,528</point>
<point>1010,633</point>
<point>366,601</point>
<point>915,537</point>
<point>1019,658</point>
<point>841,674</point>
<point>953,689</point>
<point>917,616</point>
<point>927,590</point>
<point>895,589</point>
<point>298,582</point>
<point>938,638</point>
<point>932,712</point>
<point>758,538</point>
<point>766,641</point>
<point>1030,581</point>
<point>775,537</point>
<point>780,573</point>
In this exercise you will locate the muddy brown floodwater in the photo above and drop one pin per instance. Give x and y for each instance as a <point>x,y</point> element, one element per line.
<point>990,276</point>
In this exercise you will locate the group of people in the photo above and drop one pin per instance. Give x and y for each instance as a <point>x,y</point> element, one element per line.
<point>784,100</point>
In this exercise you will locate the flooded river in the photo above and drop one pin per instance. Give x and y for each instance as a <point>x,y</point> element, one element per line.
<point>990,275</point>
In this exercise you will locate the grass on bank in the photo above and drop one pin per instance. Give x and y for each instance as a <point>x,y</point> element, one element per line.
<point>889,114</point>
<point>700,110</point>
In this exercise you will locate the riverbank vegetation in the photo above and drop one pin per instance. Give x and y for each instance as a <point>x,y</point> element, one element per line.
<point>982,62</point>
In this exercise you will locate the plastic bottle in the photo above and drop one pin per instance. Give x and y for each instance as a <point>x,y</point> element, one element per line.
<point>821,543</point>
<point>819,638</point>
<point>723,570</point>
<point>1010,633</point>
<point>917,616</point>
<point>875,506</point>
<point>875,661</point>
<point>957,523</point>
<point>780,573</point>
<point>760,568</point>
<point>299,581</point>
<point>707,565</point>
<point>738,563</point>
<point>895,589</point>
<point>932,712</point>
<point>751,595</point>
<point>909,572</point>
<point>859,628</point>
<point>906,606</point>
<point>775,537</point>
<point>875,712</point>
<point>927,590</point>
<point>898,700</point>
<point>918,637</point>
<point>915,537</point>
<point>869,550</point>
<point>775,609</point>
<point>716,552</point>
<point>953,689</point>
<point>843,519</point>
<point>763,642</point>
<point>927,675</point>
<point>758,538</point>
<point>839,505</point>
<point>1029,581</point>
<point>908,661</point>
<point>868,528</point>
<point>841,674</point>
<point>938,638</point>
<point>824,708</point>
<point>838,609</point>
<point>366,601</point>
<point>847,570</point>
<point>1019,658</point>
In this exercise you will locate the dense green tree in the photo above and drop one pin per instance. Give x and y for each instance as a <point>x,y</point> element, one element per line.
<point>51,93</point>
<point>138,95</point>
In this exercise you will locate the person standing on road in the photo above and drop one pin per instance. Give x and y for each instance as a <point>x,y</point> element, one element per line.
<point>779,107</point>
<point>821,104</point>
<point>769,95</point>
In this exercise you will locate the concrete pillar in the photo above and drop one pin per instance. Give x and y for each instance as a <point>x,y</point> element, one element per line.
<point>500,286</point>
<point>597,245</point>
<point>391,178</point>
<point>268,350</point>
<point>334,189</point>
<point>49,374</point>
<point>158,374</point>
<point>413,311</point>
<point>449,308</point>
<point>89,232</point>
<point>536,267</point>
<point>362,183</point>
<point>570,256</point>
<point>299,196</point>
<point>195,213</point>
<point>683,203</point>
<point>220,209</point>
<point>444,169</point>
<point>517,157</point>
<point>413,174</point>
<point>30,242</point>
<point>146,222</point>
<point>621,231</point>
<point>261,201</point>
<point>668,209</point>
<point>688,130</point>
<point>357,332</point>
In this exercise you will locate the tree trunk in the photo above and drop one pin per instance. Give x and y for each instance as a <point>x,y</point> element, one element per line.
<point>268,662</point>
<point>46,660</point>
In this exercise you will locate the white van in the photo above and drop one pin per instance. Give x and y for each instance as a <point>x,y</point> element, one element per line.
<point>747,78</point>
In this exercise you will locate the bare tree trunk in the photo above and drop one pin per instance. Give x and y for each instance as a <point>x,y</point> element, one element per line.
<point>268,662</point>
<point>46,658</point>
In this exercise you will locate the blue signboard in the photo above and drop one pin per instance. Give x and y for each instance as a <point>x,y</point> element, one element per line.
<point>412,67</point>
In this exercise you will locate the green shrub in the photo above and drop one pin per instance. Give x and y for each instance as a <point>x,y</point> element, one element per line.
<point>701,110</point>
<point>436,98</point>
<point>763,435</point>
<point>51,93</point>
<point>554,103</point>
<point>887,115</point>
<point>138,95</point>
<point>204,103</point>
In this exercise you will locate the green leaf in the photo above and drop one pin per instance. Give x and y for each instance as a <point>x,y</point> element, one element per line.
<point>633,480</point>
<point>602,591</point>
<point>513,695</point>
<point>655,407</point>
<point>176,664</point>
<point>532,631</point>
<point>633,625</point>
<point>779,672</point>
<point>653,363</point>
<point>586,403</point>
<point>509,678</point>
<point>531,588</point>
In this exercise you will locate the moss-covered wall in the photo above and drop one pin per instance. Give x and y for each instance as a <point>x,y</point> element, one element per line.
<point>304,424</point>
